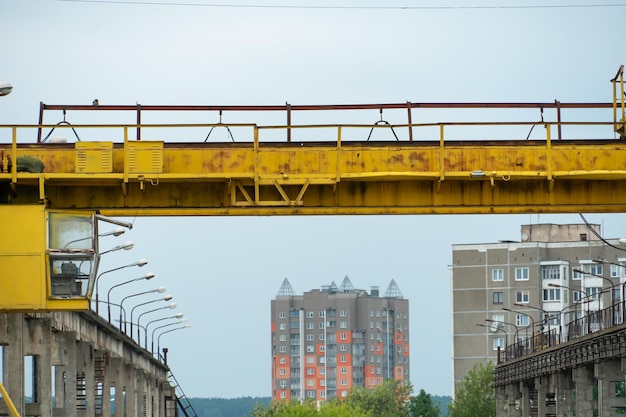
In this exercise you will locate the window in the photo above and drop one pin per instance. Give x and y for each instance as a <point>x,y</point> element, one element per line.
<point>310,371</point>
<point>310,394</point>
<point>282,349</point>
<point>521,274</point>
<point>310,383</point>
<point>498,319</point>
<point>521,320</point>
<point>592,268</point>
<point>310,359</point>
<point>283,394</point>
<point>497,274</point>
<point>498,342</point>
<point>310,314</point>
<point>577,296</point>
<point>283,371</point>
<point>283,337</point>
<point>322,371</point>
<point>593,292</point>
<point>344,382</point>
<point>310,349</point>
<point>322,348</point>
<point>344,393</point>
<point>551,272</point>
<point>321,325</point>
<point>522,297</point>
<point>498,297</point>
<point>551,294</point>
<point>322,314</point>
<point>322,336</point>
<point>344,359</point>
<point>377,313</point>
<point>342,325</point>
<point>283,361</point>
<point>310,326</point>
<point>576,274</point>
<point>282,326</point>
<point>371,313</point>
<point>342,336</point>
<point>343,313</point>
<point>343,348</point>
<point>310,337</point>
<point>282,315</point>
<point>344,371</point>
<point>322,393</point>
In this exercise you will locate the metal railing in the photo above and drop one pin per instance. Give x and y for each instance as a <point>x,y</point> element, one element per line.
<point>593,322</point>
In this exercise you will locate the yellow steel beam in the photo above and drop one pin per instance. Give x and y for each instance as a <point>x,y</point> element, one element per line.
<point>332,178</point>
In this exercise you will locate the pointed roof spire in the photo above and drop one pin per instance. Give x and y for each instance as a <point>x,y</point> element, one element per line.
<point>286,289</point>
<point>393,291</point>
<point>346,285</point>
<point>333,286</point>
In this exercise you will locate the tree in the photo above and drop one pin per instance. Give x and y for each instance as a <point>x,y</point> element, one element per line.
<point>475,396</point>
<point>334,408</point>
<point>423,406</point>
<point>387,400</point>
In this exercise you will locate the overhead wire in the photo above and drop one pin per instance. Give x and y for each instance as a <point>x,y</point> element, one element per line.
<point>357,7</point>
<point>592,230</point>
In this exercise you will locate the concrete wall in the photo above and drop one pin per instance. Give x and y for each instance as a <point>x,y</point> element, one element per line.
<point>75,365</point>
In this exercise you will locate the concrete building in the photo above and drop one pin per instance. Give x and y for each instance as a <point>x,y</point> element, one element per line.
<point>328,340</point>
<point>506,292</point>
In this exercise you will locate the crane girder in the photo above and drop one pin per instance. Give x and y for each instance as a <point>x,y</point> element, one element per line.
<point>322,178</point>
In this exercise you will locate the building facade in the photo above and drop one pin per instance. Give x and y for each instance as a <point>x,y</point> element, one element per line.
<point>328,340</point>
<point>506,292</point>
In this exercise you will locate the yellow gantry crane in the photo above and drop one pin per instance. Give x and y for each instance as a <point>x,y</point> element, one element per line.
<point>54,192</point>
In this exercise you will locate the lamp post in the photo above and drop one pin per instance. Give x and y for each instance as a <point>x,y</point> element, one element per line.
<point>551,284</point>
<point>170,306</point>
<point>182,320</point>
<point>126,246</point>
<point>504,322</point>
<point>527,315</point>
<point>160,290</point>
<point>586,297</point>
<point>148,276</point>
<point>186,326</point>
<point>178,316</point>
<point>166,298</point>
<point>497,329</point>
<point>546,313</point>
<point>611,283</point>
<point>139,263</point>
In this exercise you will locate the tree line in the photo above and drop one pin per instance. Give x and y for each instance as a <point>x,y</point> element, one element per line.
<point>474,397</point>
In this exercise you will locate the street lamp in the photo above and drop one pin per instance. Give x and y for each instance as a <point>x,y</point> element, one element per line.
<point>532,320</point>
<point>166,298</point>
<point>504,322</point>
<point>588,317</point>
<point>178,316</point>
<point>139,263</point>
<point>5,88</point>
<point>186,326</point>
<point>497,329</point>
<point>171,306</point>
<point>126,246</point>
<point>580,271</point>
<point>160,290</point>
<point>148,276</point>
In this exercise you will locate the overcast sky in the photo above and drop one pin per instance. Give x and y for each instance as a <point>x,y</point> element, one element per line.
<point>223,271</point>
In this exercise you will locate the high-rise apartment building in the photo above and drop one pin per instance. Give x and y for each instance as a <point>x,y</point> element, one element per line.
<point>505,292</point>
<point>328,340</point>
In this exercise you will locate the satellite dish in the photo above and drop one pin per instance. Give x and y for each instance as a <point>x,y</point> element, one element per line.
<point>494,327</point>
<point>524,237</point>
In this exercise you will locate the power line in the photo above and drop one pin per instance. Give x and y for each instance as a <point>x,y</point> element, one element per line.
<point>297,6</point>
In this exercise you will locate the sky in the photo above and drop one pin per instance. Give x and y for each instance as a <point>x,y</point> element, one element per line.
<point>223,271</point>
